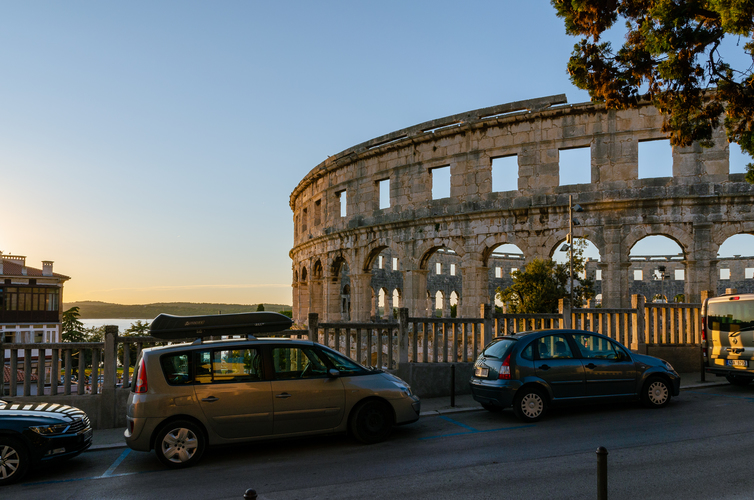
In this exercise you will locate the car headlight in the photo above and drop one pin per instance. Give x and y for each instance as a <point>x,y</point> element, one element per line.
<point>51,430</point>
<point>405,389</point>
<point>669,366</point>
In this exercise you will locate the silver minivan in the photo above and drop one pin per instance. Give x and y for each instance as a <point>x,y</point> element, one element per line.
<point>188,396</point>
<point>728,337</point>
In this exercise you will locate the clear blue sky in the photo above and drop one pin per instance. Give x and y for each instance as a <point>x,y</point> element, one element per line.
<point>149,148</point>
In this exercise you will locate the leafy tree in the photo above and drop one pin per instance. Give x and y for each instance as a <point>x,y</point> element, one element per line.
<point>138,329</point>
<point>542,283</point>
<point>260,307</point>
<point>72,328</point>
<point>672,57</point>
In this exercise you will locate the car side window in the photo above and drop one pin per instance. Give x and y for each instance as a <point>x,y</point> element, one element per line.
<point>176,368</point>
<point>228,365</point>
<point>344,365</point>
<point>297,363</point>
<point>528,352</point>
<point>553,347</point>
<point>594,347</point>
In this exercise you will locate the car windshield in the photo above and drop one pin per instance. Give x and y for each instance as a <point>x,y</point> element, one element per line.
<point>731,316</point>
<point>498,348</point>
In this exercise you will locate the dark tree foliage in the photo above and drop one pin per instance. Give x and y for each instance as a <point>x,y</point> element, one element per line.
<point>260,307</point>
<point>72,329</point>
<point>542,283</point>
<point>670,56</point>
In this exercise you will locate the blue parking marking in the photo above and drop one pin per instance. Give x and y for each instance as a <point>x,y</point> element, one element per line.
<point>109,472</point>
<point>448,419</point>
<point>471,430</point>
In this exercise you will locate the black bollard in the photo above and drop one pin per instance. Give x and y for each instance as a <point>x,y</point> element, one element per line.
<point>250,494</point>
<point>601,473</point>
<point>452,386</point>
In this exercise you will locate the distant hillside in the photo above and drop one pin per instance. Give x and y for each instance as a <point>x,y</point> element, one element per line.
<point>97,310</point>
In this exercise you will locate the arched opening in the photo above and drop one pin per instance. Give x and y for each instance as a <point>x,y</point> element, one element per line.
<point>587,275</point>
<point>439,307</point>
<point>443,267</point>
<point>735,265</point>
<point>657,269</point>
<point>397,302</point>
<point>345,303</point>
<point>502,261</point>
<point>383,267</point>
<point>453,304</point>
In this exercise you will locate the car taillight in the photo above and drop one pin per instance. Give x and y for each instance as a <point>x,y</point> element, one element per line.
<point>141,379</point>
<point>704,336</point>
<point>505,369</point>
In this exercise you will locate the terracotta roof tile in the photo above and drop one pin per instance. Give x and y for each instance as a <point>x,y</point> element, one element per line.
<point>12,268</point>
<point>19,375</point>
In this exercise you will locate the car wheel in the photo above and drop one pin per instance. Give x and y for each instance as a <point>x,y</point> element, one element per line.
<point>529,405</point>
<point>14,460</point>
<point>738,379</point>
<point>180,444</point>
<point>372,422</point>
<point>492,408</point>
<point>656,393</point>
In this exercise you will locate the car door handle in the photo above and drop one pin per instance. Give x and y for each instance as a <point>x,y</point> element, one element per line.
<point>591,365</point>
<point>210,399</point>
<point>734,350</point>
<point>544,367</point>
<point>284,395</point>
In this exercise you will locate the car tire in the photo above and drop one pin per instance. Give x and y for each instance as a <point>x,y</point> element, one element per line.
<point>492,408</point>
<point>180,444</point>
<point>530,404</point>
<point>656,393</point>
<point>371,422</point>
<point>740,380</point>
<point>14,460</point>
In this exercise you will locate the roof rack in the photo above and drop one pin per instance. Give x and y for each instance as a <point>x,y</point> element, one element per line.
<point>169,327</point>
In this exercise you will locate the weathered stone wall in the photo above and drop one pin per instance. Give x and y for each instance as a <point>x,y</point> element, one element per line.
<point>699,207</point>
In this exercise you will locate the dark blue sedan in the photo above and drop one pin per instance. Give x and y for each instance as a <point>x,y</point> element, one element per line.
<point>535,370</point>
<point>32,433</point>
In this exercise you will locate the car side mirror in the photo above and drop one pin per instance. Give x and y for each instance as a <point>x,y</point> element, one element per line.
<point>333,373</point>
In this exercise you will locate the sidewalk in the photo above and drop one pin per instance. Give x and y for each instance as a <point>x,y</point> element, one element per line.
<point>113,438</point>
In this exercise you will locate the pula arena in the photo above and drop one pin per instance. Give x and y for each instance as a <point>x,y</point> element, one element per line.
<point>372,233</point>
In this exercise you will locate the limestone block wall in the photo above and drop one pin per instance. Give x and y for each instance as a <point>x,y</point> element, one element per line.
<point>699,206</point>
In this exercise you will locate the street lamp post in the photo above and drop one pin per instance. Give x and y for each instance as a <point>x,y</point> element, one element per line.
<point>571,222</point>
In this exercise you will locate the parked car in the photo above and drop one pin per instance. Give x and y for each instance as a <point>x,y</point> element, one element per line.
<point>533,371</point>
<point>186,397</point>
<point>728,337</point>
<point>33,433</point>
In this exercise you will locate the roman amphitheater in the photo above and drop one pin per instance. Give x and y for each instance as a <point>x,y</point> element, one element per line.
<point>374,229</point>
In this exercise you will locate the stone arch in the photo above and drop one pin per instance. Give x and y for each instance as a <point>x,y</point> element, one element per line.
<point>336,264</point>
<point>317,271</point>
<point>722,232</point>
<point>491,243</point>
<point>426,250</point>
<point>304,274</point>
<point>371,255</point>
<point>638,233</point>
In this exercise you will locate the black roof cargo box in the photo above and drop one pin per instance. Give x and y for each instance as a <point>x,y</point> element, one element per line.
<point>169,327</point>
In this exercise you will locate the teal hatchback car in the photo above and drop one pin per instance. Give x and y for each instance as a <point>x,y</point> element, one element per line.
<point>531,372</point>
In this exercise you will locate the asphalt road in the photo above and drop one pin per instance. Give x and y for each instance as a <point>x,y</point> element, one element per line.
<point>696,448</point>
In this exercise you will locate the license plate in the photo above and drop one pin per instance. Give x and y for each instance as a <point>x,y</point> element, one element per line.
<point>481,372</point>
<point>737,362</point>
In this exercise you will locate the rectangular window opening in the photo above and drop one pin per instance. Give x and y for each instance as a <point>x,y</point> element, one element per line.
<point>749,273</point>
<point>680,274</point>
<point>737,159</point>
<point>598,275</point>
<point>575,166</point>
<point>505,173</point>
<point>513,270</point>
<point>440,178</point>
<point>343,207</point>
<point>318,212</point>
<point>438,268</point>
<point>498,272</point>
<point>383,190</point>
<point>655,159</point>
<point>380,264</point>
<point>638,275</point>
<point>395,263</point>
<point>724,274</point>
<point>452,269</point>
